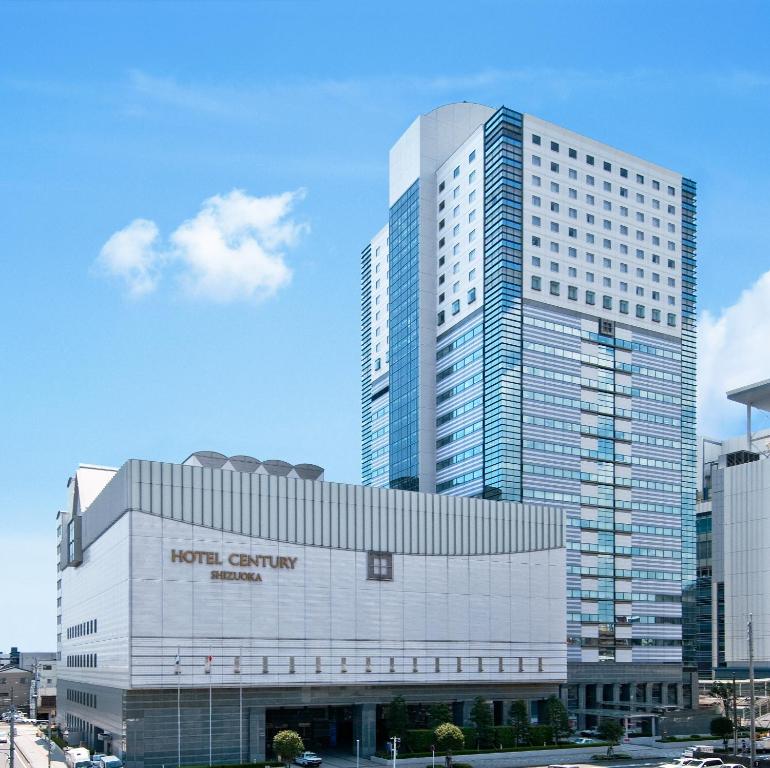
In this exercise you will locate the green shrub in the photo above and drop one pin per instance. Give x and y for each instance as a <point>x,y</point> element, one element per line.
<point>540,734</point>
<point>419,740</point>
<point>505,736</point>
<point>287,744</point>
<point>449,737</point>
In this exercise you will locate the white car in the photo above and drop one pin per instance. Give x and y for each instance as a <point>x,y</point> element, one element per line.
<point>307,758</point>
<point>583,741</point>
<point>3,738</point>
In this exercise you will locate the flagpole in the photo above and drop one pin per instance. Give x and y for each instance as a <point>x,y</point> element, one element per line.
<point>240,707</point>
<point>210,760</point>
<point>178,711</point>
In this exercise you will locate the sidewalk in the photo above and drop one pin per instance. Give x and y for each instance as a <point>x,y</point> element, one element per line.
<point>33,749</point>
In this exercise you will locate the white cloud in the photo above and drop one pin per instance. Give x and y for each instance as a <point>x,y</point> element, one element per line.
<point>233,248</point>
<point>733,351</point>
<point>131,254</point>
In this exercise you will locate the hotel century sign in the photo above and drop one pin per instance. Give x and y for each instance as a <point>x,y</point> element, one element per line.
<point>236,559</point>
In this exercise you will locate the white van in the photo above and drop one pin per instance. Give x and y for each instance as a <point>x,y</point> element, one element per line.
<point>77,757</point>
<point>110,761</point>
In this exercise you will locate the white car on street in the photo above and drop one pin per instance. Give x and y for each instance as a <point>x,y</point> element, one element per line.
<point>307,758</point>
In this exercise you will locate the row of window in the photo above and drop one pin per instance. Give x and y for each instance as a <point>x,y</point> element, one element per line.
<point>470,299</point>
<point>82,660</point>
<point>590,238</point>
<point>82,697</point>
<point>606,165</point>
<point>578,570</point>
<point>82,629</point>
<point>554,288</point>
<point>590,258</point>
<point>456,171</point>
<point>640,217</point>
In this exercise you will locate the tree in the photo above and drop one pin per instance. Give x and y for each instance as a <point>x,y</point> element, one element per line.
<point>611,730</point>
<point>722,728</point>
<point>397,718</point>
<point>437,714</point>
<point>520,722</point>
<point>723,691</point>
<point>556,714</point>
<point>287,745</point>
<point>449,737</point>
<point>482,719</point>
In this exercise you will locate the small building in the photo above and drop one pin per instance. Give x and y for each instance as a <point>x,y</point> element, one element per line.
<point>206,605</point>
<point>15,684</point>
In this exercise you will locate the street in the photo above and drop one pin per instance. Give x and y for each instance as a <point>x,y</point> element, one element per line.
<point>31,749</point>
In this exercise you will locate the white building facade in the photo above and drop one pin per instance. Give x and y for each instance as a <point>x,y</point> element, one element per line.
<point>528,334</point>
<point>205,606</point>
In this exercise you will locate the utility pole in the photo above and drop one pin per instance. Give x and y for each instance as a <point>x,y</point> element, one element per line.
<point>396,743</point>
<point>49,740</point>
<point>12,735</point>
<point>735,718</point>
<point>752,723</point>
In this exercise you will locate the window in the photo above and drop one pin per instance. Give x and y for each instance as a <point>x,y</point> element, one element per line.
<point>535,240</point>
<point>554,226</point>
<point>572,194</point>
<point>589,277</point>
<point>471,235</point>
<point>607,166</point>
<point>572,153</point>
<point>471,295</point>
<point>535,181</point>
<point>456,193</point>
<point>535,139</point>
<point>535,261</point>
<point>656,204</point>
<point>456,287</point>
<point>455,249</point>
<point>555,167</point>
<point>471,177</point>
<point>379,566</point>
<point>441,205</point>
<point>640,311</point>
<point>472,156</point>
<point>572,293</point>
<point>624,173</point>
<point>623,229</point>
<point>554,247</point>
<point>590,199</point>
<point>456,172</point>
<point>590,181</point>
<point>589,237</point>
<point>671,319</point>
<point>572,173</point>
<point>606,224</point>
<point>607,282</point>
<point>536,201</point>
<point>554,187</point>
<point>572,271</point>
<point>606,243</point>
<point>554,266</point>
<point>606,186</point>
<point>572,213</point>
<point>590,297</point>
<point>536,282</point>
<point>670,209</point>
<point>623,287</point>
<point>456,306</point>
<point>554,287</point>
<point>655,277</point>
<point>442,242</point>
<point>672,300</point>
<point>456,211</point>
<point>472,274</point>
<point>472,196</point>
<point>456,230</point>
<point>572,232</point>
<point>671,191</point>
<point>639,290</point>
<point>607,302</point>
<point>554,146</point>
<point>671,264</point>
<point>590,159</point>
<point>441,317</point>
<point>590,258</point>
<point>623,307</point>
<point>455,267</point>
<point>607,205</point>
<point>623,192</point>
<point>572,252</point>
<point>472,216</point>
<point>442,186</point>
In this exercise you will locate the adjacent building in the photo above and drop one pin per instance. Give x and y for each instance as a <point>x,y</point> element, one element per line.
<point>207,604</point>
<point>734,546</point>
<point>528,335</point>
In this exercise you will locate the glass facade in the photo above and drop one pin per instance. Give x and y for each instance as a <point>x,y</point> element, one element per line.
<point>404,300</point>
<point>502,305</point>
<point>689,445</point>
<point>366,378</point>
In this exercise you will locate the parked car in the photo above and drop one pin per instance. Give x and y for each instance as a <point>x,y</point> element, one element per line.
<point>95,758</point>
<point>307,758</point>
<point>3,738</point>
<point>583,741</point>
<point>110,761</point>
<point>708,762</point>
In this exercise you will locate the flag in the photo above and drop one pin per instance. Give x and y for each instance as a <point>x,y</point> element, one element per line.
<point>237,665</point>
<point>207,666</point>
<point>177,663</point>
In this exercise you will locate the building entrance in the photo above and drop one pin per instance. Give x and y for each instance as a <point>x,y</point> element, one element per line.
<point>321,728</point>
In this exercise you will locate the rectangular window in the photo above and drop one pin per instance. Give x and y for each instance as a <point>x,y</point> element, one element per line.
<point>554,146</point>
<point>442,186</point>
<point>472,156</point>
<point>555,167</point>
<point>624,173</point>
<point>471,295</point>
<point>554,287</point>
<point>623,307</point>
<point>590,297</point>
<point>640,311</point>
<point>535,139</point>
<point>590,159</point>
<point>671,319</point>
<point>572,293</point>
<point>607,166</point>
<point>456,307</point>
<point>379,566</point>
<point>536,282</point>
<point>456,172</point>
<point>607,302</point>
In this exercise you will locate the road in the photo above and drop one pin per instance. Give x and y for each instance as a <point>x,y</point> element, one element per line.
<point>31,749</point>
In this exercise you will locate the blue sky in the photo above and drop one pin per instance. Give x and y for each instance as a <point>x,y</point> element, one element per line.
<point>113,112</point>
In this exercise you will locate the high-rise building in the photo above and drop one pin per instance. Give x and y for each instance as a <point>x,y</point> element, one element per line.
<point>733,528</point>
<point>528,334</point>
